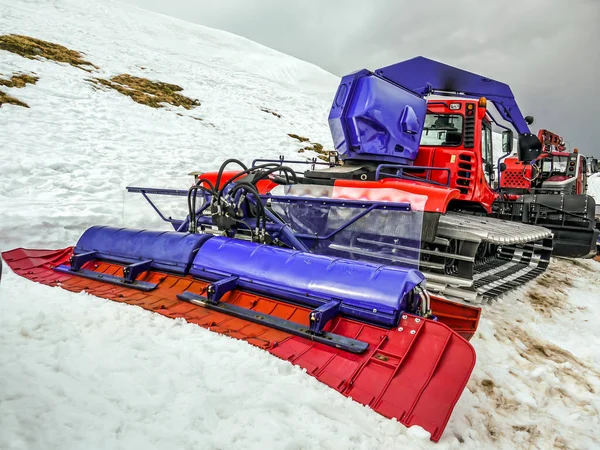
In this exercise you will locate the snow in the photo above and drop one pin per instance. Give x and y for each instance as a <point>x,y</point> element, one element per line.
<point>594,186</point>
<point>80,158</point>
<point>78,373</point>
<point>82,372</point>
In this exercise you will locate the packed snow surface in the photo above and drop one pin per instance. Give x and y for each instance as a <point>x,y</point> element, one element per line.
<point>82,372</point>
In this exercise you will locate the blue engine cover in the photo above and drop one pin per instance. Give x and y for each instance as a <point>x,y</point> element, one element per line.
<point>374,119</point>
<point>169,250</point>
<point>367,291</point>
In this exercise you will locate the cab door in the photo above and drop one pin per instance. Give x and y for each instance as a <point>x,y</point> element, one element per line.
<point>487,157</point>
<point>583,177</point>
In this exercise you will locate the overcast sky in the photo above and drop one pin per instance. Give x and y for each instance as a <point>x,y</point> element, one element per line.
<point>546,50</point>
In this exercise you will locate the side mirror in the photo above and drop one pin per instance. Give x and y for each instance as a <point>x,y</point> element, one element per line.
<point>507,141</point>
<point>529,120</point>
<point>530,147</point>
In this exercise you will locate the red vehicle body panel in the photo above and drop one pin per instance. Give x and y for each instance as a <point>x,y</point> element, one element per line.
<point>395,190</point>
<point>465,164</point>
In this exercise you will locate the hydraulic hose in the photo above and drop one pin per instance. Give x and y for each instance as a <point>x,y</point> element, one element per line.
<point>261,215</point>
<point>225,164</point>
<point>192,200</point>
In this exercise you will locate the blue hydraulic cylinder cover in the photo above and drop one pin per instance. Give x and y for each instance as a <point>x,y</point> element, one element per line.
<point>168,250</point>
<point>367,291</point>
<point>376,120</point>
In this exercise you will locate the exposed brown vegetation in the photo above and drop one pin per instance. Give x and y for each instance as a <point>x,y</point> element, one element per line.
<point>270,111</point>
<point>300,138</point>
<point>16,81</point>
<point>33,48</point>
<point>19,81</point>
<point>146,92</point>
<point>312,147</point>
<point>7,99</point>
<point>317,148</point>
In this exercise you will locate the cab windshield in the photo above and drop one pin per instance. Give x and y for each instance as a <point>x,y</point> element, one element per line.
<point>442,130</point>
<point>555,164</point>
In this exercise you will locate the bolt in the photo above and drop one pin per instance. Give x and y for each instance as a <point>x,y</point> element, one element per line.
<point>400,329</point>
<point>412,331</point>
<point>417,320</point>
<point>374,310</point>
<point>404,316</point>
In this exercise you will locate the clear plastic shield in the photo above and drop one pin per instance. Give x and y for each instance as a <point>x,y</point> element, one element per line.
<point>378,231</point>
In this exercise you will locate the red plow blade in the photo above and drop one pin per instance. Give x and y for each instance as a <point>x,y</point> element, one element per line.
<point>415,372</point>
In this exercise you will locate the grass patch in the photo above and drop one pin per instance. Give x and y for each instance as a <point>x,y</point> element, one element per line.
<point>19,81</point>
<point>299,138</point>
<point>270,111</point>
<point>146,92</point>
<point>317,148</point>
<point>32,48</point>
<point>312,147</point>
<point>16,81</point>
<point>7,99</point>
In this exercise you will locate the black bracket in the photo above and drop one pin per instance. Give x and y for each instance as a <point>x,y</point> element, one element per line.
<point>77,261</point>
<point>215,291</point>
<point>323,314</point>
<point>132,271</point>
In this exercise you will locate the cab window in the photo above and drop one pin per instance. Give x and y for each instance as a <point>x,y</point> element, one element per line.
<point>442,130</point>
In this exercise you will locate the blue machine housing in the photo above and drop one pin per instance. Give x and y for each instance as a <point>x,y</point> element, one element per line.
<point>373,119</point>
<point>379,116</point>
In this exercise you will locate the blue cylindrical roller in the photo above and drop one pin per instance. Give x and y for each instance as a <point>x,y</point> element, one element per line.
<point>168,250</point>
<point>367,291</point>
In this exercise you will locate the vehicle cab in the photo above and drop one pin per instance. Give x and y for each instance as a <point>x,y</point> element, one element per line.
<point>564,172</point>
<point>558,172</point>
<point>457,135</point>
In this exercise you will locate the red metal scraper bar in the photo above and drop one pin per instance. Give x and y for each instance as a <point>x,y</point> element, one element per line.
<point>414,373</point>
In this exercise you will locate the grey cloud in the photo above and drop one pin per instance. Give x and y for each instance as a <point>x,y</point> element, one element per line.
<point>546,51</point>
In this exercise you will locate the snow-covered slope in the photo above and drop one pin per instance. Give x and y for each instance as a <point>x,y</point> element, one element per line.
<point>81,372</point>
<point>76,148</point>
